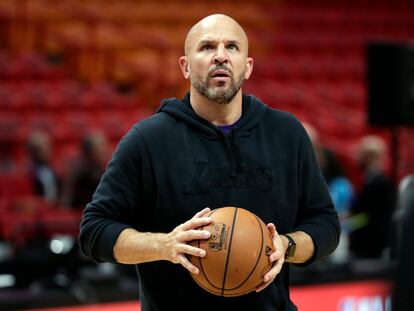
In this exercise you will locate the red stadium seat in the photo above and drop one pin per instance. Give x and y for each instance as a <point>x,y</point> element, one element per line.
<point>15,185</point>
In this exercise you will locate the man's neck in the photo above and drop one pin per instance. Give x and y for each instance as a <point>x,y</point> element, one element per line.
<point>217,114</point>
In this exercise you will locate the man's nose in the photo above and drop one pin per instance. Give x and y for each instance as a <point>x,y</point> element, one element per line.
<point>221,55</point>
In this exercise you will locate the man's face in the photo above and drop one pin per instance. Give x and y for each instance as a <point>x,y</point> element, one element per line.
<point>216,62</point>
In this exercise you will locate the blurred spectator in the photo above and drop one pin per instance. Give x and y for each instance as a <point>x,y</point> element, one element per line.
<point>45,180</point>
<point>403,300</point>
<point>376,201</point>
<point>405,205</point>
<point>340,188</point>
<point>87,171</point>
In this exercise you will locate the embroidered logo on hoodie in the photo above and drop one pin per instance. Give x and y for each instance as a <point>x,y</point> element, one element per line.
<point>207,176</point>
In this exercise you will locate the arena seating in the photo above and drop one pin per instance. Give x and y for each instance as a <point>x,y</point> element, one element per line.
<point>62,64</point>
<point>70,67</point>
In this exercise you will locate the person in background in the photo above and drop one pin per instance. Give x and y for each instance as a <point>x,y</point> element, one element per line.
<point>403,298</point>
<point>87,171</point>
<point>340,188</point>
<point>44,178</point>
<point>375,202</point>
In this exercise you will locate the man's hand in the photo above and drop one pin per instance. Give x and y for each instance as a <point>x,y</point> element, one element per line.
<point>277,258</point>
<point>175,243</point>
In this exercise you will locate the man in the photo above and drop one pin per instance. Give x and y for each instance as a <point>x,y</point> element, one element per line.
<point>403,299</point>
<point>215,148</point>
<point>376,201</point>
<point>44,178</point>
<point>340,188</point>
<point>86,173</point>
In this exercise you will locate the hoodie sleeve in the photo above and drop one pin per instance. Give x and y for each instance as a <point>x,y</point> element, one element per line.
<point>317,215</point>
<point>116,200</point>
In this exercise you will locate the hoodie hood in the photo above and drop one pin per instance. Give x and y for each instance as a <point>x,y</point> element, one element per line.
<point>253,112</point>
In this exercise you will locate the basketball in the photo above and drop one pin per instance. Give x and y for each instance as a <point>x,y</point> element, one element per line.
<point>237,253</point>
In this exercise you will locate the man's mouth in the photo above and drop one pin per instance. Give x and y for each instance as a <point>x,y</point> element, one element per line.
<point>221,73</point>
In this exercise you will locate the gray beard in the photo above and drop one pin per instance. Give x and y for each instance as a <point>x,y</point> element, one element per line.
<point>217,94</point>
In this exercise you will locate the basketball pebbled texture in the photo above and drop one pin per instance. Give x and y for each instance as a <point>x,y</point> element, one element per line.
<point>237,253</point>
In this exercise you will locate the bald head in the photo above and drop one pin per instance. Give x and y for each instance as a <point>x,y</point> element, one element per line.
<point>39,147</point>
<point>216,59</point>
<point>373,145</point>
<point>213,23</point>
<point>371,152</point>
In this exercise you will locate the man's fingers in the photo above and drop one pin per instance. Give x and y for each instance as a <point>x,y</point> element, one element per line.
<point>192,234</point>
<point>194,223</point>
<point>203,212</point>
<point>277,243</point>
<point>276,255</point>
<point>276,258</point>
<point>269,276</point>
<point>272,229</point>
<point>191,250</point>
<point>262,286</point>
<point>187,264</point>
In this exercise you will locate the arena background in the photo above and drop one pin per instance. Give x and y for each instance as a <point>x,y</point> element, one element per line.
<point>74,67</point>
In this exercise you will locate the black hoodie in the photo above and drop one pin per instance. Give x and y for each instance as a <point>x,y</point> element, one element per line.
<point>175,163</point>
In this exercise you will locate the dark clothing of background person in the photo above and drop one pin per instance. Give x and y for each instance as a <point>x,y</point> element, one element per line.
<point>175,163</point>
<point>45,181</point>
<point>403,298</point>
<point>43,177</point>
<point>377,201</point>
<point>84,181</point>
<point>86,172</point>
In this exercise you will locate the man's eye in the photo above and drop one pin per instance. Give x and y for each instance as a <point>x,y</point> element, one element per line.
<point>232,47</point>
<point>207,47</point>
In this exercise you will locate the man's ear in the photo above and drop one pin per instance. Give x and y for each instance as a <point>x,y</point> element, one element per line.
<point>184,67</point>
<point>249,68</point>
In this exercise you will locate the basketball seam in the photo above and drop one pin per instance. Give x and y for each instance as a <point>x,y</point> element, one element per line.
<point>228,252</point>
<point>201,263</point>
<point>206,288</point>
<point>257,260</point>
